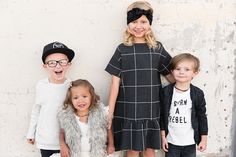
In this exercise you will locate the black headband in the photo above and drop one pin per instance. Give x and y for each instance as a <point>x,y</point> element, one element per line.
<point>136,13</point>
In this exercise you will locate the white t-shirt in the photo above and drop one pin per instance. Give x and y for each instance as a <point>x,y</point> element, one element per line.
<point>180,128</point>
<point>85,145</point>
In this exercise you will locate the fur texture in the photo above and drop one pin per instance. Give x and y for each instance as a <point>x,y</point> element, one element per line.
<point>97,127</point>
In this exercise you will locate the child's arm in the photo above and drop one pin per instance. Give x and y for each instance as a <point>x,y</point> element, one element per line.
<point>203,143</point>
<point>202,121</point>
<point>33,124</point>
<point>110,142</point>
<point>164,141</point>
<point>65,151</point>
<point>114,89</point>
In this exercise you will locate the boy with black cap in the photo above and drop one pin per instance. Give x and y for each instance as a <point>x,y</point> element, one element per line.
<point>44,129</point>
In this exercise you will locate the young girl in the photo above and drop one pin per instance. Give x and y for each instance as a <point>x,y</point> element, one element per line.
<point>83,121</point>
<point>134,95</point>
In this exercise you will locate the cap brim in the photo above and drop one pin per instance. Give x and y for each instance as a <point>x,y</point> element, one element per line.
<point>68,52</point>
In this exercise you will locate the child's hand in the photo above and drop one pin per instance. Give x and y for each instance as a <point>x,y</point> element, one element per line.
<point>31,140</point>
<point>65,151</point>
<point>109,119</point>
<point>165,146</point>
<point>110,149</point>
<point>203,144</point>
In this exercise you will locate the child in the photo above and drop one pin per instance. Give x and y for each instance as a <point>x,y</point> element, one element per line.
<point>184,120</point>
<point>84,121</point>
<point>134,95</point>
<point>50,94</point>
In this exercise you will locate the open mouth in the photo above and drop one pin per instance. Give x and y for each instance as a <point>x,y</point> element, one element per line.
<point>81,105</point>
<point>138,31</point>
<point>58,72</point>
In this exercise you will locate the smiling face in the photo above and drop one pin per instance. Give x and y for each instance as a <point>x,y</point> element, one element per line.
<point>184,72</point>
<point>81,99</point>
<point>57,73</point>
<point>139,28</point>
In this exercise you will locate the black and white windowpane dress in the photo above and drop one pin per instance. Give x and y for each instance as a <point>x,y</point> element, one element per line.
<point>137,110</point>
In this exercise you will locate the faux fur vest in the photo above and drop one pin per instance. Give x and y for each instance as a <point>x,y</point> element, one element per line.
<point>97,127</point>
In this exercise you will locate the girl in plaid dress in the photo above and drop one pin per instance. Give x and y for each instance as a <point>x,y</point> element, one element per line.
<point>136,66</point>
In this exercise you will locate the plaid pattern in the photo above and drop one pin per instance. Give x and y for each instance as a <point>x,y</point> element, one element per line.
<point>137,110</point>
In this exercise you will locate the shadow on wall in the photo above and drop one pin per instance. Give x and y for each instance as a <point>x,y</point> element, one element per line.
<point>233,153</point>
<point>234,140</point>
<point>234,114</point>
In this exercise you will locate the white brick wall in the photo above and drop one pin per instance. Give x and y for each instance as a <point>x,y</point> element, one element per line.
<point>93,28</point>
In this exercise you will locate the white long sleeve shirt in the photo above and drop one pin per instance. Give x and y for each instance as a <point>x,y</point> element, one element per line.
<point>44,126</point>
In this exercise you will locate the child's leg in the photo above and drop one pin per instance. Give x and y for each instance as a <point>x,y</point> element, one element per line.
<point>132,153</point>
<point>48,153</point>
<point>173,151</point>
<point>149,153</point>
<point>116,154</point>
<point>189,151</point>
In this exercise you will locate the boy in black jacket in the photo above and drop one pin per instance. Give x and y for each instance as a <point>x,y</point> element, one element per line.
<point>183,116</point>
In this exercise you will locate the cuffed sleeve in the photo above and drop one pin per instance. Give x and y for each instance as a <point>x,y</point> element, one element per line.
<point>114,65</point>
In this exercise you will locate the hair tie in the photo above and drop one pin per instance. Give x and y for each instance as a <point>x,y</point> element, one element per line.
<point>70,84</point>
<point>136,13</point>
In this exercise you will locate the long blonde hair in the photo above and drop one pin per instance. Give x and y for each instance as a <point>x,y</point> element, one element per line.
<point>149,36</point>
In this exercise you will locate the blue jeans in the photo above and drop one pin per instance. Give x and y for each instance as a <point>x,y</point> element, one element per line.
<point>181,151</point>
<point>48,153</point>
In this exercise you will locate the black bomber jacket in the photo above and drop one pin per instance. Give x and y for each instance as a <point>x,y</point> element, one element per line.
<point>198,115</point>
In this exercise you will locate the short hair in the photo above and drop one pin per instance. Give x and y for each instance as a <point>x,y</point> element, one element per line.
<point>183,57</point>
<point>80,82</point>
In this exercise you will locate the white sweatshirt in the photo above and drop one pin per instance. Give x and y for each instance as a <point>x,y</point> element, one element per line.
<point>44,126</point>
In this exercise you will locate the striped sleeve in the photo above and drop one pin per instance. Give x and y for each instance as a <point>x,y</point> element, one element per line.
<point>165,61</point>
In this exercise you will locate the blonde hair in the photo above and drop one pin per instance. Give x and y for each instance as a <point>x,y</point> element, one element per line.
<point>149,36</point>
<point>94,97</point>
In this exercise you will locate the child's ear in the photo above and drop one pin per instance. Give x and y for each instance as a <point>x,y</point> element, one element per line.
<point>44,65</point>
<point>128,30</point>
<point>195,73</point>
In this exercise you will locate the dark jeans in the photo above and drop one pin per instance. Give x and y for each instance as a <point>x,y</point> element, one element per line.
<point>48,153</point>
<point>181,151</point>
